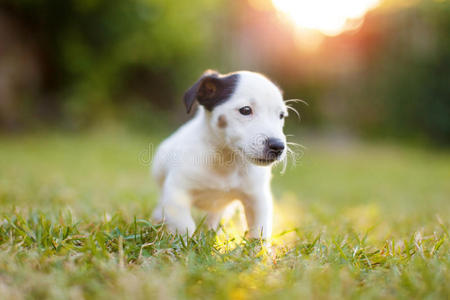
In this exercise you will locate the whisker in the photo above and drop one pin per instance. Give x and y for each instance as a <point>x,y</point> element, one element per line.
<point>296,101</point>
<point>285,159</point>
<point>291,154</point>
<point>296,144</point>
<point>294,110</point>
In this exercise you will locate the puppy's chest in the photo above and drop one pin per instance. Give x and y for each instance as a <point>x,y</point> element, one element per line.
<point>217,188</point>
<point>222,181</point>
<point>213,199</point>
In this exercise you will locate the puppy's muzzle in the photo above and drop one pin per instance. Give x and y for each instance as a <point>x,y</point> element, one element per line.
<point>274,148</point>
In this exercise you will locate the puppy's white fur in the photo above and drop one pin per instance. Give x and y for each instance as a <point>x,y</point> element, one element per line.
<point>213,159</point>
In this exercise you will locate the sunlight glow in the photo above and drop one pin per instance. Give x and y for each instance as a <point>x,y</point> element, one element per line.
<point>331,17</point>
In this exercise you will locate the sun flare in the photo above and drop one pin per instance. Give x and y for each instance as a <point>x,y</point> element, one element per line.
<point>331,17</point>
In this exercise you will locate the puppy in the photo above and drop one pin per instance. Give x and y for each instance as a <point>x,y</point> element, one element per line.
<point>224,153</point>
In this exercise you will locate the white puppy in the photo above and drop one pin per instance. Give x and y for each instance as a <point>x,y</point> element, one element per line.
<point>224,153</point>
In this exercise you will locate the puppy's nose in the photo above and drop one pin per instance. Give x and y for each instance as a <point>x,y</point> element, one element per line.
<point>276,146</point>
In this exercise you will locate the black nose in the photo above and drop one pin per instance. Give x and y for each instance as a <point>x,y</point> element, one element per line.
<point>276,146</point>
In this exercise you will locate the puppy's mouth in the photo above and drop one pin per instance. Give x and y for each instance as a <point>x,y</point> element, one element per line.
<point>262,161</point>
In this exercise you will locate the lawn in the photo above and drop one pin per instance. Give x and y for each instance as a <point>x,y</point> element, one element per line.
<point>353,220</point>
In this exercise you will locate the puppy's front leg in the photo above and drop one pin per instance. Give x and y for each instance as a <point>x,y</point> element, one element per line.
<point>213,219</point>
<point>258,212</point>
<point>174,209</point>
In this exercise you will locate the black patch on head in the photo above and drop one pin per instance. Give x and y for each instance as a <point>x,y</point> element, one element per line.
<point>211,90</point>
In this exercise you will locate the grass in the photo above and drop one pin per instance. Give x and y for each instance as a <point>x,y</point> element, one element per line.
<point>352,221</point>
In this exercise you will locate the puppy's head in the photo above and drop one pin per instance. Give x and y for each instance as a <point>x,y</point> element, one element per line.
<point>246,110</point>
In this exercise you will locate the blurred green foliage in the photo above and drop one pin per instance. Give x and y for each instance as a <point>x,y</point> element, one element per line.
<point>99,51</point>
<point>409,80</point>
<point>135,58</point>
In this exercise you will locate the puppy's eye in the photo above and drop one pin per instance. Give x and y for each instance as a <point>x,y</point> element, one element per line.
<point>281,115</point>
<point>246,110</point>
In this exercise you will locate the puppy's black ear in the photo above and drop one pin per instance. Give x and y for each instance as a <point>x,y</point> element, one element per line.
<point>192,93</point>
<point>210,90</point>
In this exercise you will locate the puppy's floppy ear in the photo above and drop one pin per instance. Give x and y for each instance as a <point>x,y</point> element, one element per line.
<point>192,93</point>
<point>210,90</point>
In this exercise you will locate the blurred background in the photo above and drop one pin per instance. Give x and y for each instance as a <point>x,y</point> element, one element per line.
<point>368,68</point>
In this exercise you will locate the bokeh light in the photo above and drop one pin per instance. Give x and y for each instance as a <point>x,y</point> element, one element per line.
<point>330,17</point>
